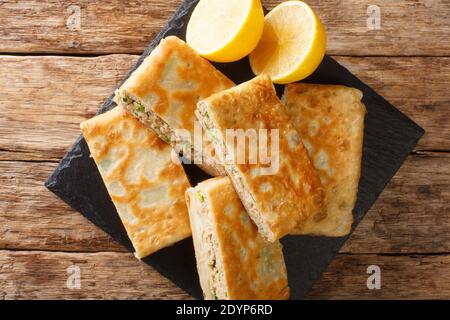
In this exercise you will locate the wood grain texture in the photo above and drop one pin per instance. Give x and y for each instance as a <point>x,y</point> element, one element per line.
<point>416,86</point>
<point>106,275</point>
<point>412,27</point>
<point>114,275</point>
<point>45,98</point>
<point>411,216</point>
<point>31,217</point>
<point>105,27</point>
<point>402,277</point>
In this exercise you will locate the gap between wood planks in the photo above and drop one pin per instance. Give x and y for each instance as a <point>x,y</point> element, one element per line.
<point>413,225</point>
<point>138,53</point>
<point>383,228</point>
<point>52,79</point>
<point>125,251</point>
<point>37,274</point>
<point>117,27</point>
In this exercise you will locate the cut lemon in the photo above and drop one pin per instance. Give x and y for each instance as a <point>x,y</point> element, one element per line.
<point>292,45</point>
<point>225,30</point>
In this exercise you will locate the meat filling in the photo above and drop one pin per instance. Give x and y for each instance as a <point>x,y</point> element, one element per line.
<point>217,281</point>
<point>182,145</point>
<point>238,182</point>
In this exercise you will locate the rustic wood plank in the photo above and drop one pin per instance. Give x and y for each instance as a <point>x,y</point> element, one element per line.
<point>104,27</point>
<point>31,217</point>
<point>417,86</point>
<point>119,26</point>
<point>44,275</point>
<point>106,275</point>
<point>407,28</point>
<point>402,277</point>
<point>45,98</point>
<point>411,216</point>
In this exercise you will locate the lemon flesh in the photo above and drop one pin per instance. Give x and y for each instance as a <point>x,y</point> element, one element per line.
<point>292,45</point>
<point>225,30</point>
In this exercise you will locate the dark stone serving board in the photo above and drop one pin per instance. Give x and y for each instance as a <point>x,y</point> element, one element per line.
<point>389,138</point>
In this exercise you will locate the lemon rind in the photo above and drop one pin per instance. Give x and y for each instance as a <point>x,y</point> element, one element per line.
<point>319,32</point>
<point>216,54</point>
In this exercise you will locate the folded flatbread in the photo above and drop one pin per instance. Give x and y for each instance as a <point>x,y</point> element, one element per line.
<point>233,260</point>
<point>145,182</point>
<point>279,194</point>
<point>330,120</point>
<point>163,92</point>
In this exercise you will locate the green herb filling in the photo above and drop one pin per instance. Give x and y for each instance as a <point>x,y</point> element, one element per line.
<point>200,197</point>
<point>165,138</point>
<point>138,107</point>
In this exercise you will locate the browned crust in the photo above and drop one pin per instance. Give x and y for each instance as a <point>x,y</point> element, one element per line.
<point>168,84</point>
<point>330,120</point>
<point>145,185</point>
<point>294,192</point>
<point>252,267</point>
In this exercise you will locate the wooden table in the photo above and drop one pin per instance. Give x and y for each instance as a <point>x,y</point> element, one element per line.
<point>55,73</point>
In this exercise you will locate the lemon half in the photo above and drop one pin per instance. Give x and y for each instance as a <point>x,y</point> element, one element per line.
<point>292,45</point>
<point>225,30</point>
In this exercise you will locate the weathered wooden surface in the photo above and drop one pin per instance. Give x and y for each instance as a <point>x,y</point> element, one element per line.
<point>412,27</point>
<point>63,91</point>
<point>402,277</point>
<point>417,86</point>
<point>104,27</point>
<point>44,98</point>
<point>413,213</point>
<point>31,217</point>
<point>411,216</point>
<point>44,275</point>
<point>105,275</point>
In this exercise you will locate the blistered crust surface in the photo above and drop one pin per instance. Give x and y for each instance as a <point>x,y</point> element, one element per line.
<point>253,267</point>
<point>200,226</point>
<point>330,120</point>
<point>287,197</point>
<point>171,81</point>
<point>146,186</point>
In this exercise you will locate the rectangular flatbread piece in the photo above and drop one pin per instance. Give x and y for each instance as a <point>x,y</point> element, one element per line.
<point>144,180</point>
<point>163,93</point>
<point>233,261</point>
<point>330,120</point>
<point>282,198</point>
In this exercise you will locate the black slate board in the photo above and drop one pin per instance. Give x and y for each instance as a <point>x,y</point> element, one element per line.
<point>389,138</point>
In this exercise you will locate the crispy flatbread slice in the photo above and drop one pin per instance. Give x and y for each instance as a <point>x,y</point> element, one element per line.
<point>330,120</point>
<point>233,260</point>
<point>163,92</point>
<point>145,183</point>
<point>280,194</point>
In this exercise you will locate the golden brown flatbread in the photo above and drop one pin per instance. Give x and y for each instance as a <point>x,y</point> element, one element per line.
<point>233,260</point>
<point>163,93</point>
<point>145,183</point>
<point>330,120</point>
<point>282,198</point>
